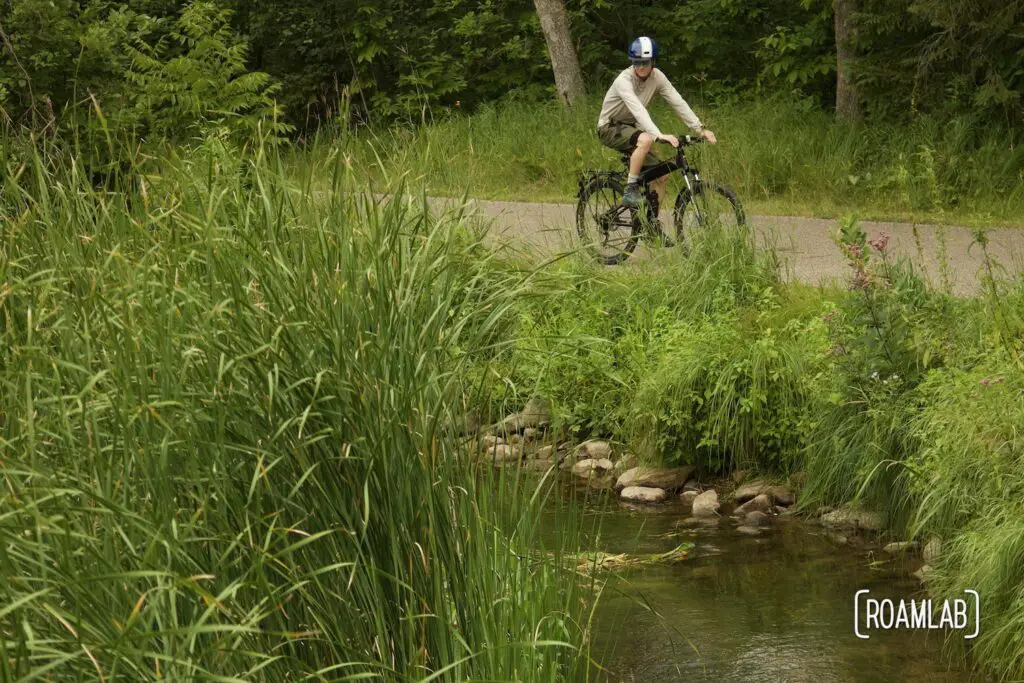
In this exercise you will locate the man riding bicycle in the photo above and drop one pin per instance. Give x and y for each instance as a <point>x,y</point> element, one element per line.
<point>624,124</point>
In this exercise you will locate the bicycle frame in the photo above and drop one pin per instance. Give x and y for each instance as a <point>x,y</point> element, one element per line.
<point>642,221</point>
<point>679,163</point>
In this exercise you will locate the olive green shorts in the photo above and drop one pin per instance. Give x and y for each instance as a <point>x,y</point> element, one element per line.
<point>622,138</point>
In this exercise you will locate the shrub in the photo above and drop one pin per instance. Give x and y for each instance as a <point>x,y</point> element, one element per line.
<point>724,393</point>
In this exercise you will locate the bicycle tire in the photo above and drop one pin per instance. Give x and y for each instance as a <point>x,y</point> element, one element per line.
<point>686,200</point>
<point>608,189</point>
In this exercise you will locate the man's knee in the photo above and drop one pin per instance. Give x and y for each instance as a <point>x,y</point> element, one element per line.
<point>644,141</point>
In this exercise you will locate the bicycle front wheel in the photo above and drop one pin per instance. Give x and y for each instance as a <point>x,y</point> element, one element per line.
<point>712,206</point>
<point>608,230</point>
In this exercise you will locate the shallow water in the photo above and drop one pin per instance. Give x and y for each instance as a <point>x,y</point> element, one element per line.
<point>776,607</point>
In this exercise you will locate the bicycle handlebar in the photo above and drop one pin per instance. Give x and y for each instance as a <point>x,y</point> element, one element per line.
<point>687,140</point>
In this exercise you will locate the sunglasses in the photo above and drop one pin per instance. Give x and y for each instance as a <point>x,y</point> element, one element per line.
<point>642,63</point>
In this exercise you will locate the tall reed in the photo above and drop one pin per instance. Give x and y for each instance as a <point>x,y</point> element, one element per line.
<point>228,436</point>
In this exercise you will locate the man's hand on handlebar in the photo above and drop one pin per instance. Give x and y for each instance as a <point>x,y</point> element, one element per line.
<point>684,140</point>
<point>670,139</point>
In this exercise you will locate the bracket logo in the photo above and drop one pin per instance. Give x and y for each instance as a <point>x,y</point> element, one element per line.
<point>874,614</point>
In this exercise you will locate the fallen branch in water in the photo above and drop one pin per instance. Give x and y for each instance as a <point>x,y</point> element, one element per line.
<point>595,560</point>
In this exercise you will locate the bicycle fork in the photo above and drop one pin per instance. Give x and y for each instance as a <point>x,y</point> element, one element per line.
<point>693,188</point>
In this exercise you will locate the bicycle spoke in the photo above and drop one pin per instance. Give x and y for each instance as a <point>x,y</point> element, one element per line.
<point>717,211</point>
<point>607,225</point>
<point>711,210</point>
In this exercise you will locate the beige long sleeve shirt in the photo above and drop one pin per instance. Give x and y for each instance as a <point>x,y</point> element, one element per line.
<point>627,99</point>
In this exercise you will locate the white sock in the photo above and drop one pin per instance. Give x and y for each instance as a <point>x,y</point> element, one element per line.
<point>633,179</point>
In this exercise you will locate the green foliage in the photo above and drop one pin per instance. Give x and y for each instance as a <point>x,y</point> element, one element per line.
<point>396,59</point>
<point>970,448</point>
<point>884,317</point>
<point>967,481</point>
<point>888,394</point>
<point>227,412</point>
<point>950,58</point>
<point>885,335</point>
<point>578,347</point>
<point>58,53</point>
<point>133,78</point>
<point>782,156</point>
<point>724,394</point>
<point>196,82</point>
<point>649,357</point>
<point>801,54</point>
<point>379,62</point>
<point>987,554</point>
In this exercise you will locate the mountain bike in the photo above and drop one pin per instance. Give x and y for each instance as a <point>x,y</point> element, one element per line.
<point>611,231</point>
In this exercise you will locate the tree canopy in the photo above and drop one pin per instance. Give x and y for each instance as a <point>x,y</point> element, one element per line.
<point>155,65</point>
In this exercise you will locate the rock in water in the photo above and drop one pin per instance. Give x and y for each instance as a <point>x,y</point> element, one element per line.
<point>625,462</point>
<point>846,517</point>
<point>643,494</point>
<point>490,441</point>
<point>511,424</point>
<point>536,413</point>
<point>596,449</point>
<point>541,464</point>
<point>585,468</point>
<point>778,495</point>
<point>749,490</point>
<point>706,504</point>
<point>898,547</point>
<point>502,452</point>
<point>759,503</point>
<point>781,495</point>
<point>932,551</point>
<point>670,479</point>
<point>757,518</point>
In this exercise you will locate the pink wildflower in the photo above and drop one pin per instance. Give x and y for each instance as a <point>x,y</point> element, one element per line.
<point>880,242</point>
<point>861,280</point>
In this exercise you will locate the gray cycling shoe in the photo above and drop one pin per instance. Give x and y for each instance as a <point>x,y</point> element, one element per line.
<point>632,197</point>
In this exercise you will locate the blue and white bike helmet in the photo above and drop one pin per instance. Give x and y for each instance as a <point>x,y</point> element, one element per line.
<point>643,48</point>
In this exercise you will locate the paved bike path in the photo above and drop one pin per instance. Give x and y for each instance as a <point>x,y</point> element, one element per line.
<point>804,245</point>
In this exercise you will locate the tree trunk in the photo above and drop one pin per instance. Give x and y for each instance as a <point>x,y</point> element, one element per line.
<point>555,23</point>
<point>847,101</point>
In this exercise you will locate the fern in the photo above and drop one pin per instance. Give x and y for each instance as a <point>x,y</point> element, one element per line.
<point>196,83</point>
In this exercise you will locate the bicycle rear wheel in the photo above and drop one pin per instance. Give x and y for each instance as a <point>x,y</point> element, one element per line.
<point>713,206</point>
<point>607,229</point>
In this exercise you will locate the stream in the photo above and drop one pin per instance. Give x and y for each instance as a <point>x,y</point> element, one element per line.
<point>778,606</point>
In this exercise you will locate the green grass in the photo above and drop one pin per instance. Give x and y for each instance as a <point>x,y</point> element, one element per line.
<point>229,398</point>
<point>780,156</point>
<point>888,394</point>
<point>227,443</point>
